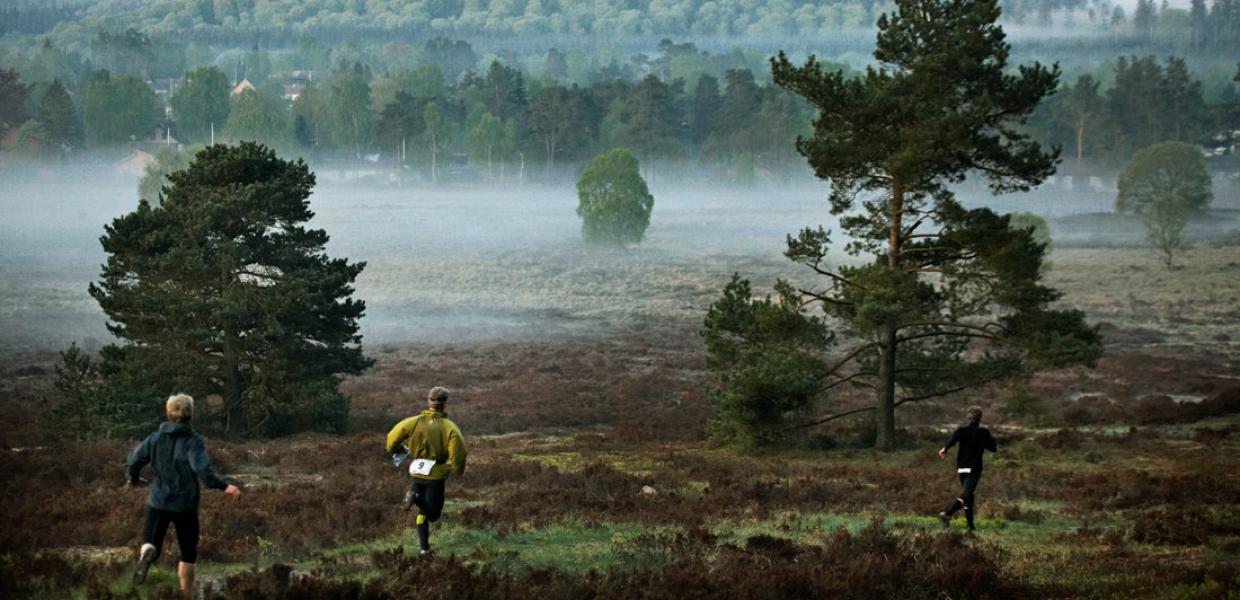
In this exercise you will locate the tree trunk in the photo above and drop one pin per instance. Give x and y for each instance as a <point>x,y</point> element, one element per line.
<point>550,143</point>
<point>232,384</point>
<point>885,415</point>
<point>434,162</point>
<point>1080,140</point>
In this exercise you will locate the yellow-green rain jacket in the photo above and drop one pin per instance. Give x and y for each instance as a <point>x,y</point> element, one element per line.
<point>430,435</point>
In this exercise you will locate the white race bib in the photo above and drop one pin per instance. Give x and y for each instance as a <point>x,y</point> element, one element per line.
<point>421,466</point>
<point>964,470</point>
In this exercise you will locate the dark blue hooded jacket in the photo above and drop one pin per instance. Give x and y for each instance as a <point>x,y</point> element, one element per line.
<point>179,458</point>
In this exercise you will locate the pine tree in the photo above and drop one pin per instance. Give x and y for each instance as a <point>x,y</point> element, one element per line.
<point>57,114</point>
<point>223,290</point>
<point>1197,23</point>
<point>952,298</point>
<point>649,122</point>
<point>13,94</point>
<point>703,107</point>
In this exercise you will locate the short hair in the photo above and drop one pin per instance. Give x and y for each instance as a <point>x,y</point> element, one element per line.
<point>975,414</point>
<point>438,395</point>
<point>180,407</point>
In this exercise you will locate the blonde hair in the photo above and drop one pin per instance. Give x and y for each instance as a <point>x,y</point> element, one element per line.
<point>975,414</point>
<point>180,407</point>
<point>438,395</point>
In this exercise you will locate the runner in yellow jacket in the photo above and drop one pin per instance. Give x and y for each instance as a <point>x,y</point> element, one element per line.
<point>436,449</point>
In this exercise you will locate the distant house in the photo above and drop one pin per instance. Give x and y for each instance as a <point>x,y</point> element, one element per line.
<point>241,87</point>
<point>134,164</point>
<point>292,91</point>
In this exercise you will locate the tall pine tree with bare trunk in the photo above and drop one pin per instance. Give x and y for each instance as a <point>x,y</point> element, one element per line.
<point>950,298</point>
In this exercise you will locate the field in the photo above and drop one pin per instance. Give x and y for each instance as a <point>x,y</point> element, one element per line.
<point>579,380</point>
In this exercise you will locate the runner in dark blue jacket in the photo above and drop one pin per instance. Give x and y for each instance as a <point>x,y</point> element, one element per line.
<point>974,441</point>
<point>179,458</point>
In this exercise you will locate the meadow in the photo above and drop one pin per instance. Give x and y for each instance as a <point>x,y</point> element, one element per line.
<point>580,382</point>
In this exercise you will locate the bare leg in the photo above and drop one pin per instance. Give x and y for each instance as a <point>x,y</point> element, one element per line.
<point>185,571</point>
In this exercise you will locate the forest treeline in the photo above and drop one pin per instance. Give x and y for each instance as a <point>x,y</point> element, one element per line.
<point>442,102</point>
<point>1207,24</point>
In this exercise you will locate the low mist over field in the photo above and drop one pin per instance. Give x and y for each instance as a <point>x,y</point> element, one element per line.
<point>474,262</point>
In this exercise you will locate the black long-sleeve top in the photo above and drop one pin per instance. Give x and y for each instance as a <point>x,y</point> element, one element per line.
<point>974,440</point>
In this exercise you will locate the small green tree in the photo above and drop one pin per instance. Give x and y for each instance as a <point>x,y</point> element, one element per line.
<point>614,202</point>
<point>1165,170</point>
<point>250,119</point>
<point>155,175</point>
<point>33,140</point>
<point>57,113</point>
<point>223,290</point>
<point>766,355</point>
<point>13,94</point>
<point>120,110</point>
<point>484,141</point>
<point>1164,220</point>
<point>437,133</point>
<point>346,113</point>
<point>77,415</point>
<point>201,105</point>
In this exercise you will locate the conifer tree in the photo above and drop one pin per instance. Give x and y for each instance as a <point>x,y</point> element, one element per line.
<point>223,290</point>
<point>57,114</point>
<point>951,297</point>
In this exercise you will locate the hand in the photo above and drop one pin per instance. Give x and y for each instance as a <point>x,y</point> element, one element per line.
<point>233,491</point>
<point>942,453</point>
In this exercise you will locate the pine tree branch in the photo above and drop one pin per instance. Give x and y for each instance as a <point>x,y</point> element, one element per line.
<point>822,298</point>
<point>825,420</point>
<point>851,355</point>
<point>850,378</point>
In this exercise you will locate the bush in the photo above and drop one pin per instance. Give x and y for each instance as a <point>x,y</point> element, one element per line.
<point>764,353</point>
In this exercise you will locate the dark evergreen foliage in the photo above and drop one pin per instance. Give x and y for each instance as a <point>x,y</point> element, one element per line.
<point>222,291</point>
<point>13,94</point>
<point>56,112</point>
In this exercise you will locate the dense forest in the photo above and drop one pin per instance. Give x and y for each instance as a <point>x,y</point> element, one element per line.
<point>415,87</point>
<point>281,23</point>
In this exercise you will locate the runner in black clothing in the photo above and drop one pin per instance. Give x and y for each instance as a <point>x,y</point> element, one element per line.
<point>974,441</point>
<point>179,458</point>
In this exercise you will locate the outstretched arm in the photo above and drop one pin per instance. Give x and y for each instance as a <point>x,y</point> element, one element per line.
<point>950,442</point>
<point>201,465</point>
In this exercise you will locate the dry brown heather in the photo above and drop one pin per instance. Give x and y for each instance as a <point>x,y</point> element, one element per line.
<point>1116,482</point>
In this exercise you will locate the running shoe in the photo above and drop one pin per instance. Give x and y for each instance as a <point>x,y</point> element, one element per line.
<point>145,558</point>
